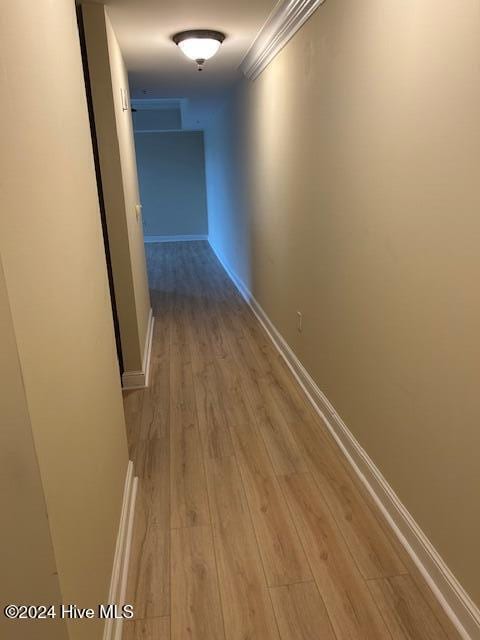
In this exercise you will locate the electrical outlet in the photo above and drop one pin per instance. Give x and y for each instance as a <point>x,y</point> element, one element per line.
<point>299,321</point>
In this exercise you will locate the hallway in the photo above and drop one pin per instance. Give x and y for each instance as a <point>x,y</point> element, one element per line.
<point>249,524</point>
<point>239,317</point>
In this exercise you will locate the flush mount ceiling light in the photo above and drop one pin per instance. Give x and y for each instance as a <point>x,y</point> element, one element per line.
<point>199,44</point>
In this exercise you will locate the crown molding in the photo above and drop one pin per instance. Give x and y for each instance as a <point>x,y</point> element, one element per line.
<point>283,23</point>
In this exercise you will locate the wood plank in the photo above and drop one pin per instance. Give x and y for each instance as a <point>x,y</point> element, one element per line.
<point>220,345</point>
<point>155,419</point>
<point>148,588</point>
<point>151,629</point>
<point>301,612</point>
<point>359,523</point>
<point>196,610</point>
<point>440,614</point>
<point>350,606</point>
<point>406,613</point>
<point>246,603</point>
<point>152,466</point>
<point>282,553</point>
<point>187,479</point>
<point>286,455</point>
<point>254,370</point>
<point>212,421</point>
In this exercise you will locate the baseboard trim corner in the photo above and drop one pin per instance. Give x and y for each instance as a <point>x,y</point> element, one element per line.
<point>457,604</point>
<point>140,379</point>
<point>184,238</point>
<point>118,583</point>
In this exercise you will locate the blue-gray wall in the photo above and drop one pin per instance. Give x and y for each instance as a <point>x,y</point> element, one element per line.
<point>171,171</point>
<point>157,119</point>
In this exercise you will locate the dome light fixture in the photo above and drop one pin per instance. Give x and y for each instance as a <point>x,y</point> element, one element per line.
<point>199,44</point>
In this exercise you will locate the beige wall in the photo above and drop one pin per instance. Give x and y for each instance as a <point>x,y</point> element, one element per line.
<point>361,209</point>
<point>119,180</point>
<point>26,552</point>
<point>54,264</point>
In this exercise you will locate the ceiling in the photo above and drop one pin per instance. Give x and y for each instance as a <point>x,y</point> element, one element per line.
<point>158,69</point>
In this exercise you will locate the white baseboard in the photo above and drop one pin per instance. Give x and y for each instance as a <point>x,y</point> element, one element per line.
<point>457,604</point>
<point>121,561</point>
<point>149,239</point>
<point>140,379</point>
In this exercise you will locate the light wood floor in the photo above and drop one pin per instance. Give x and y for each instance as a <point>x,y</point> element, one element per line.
<point>249,523</point>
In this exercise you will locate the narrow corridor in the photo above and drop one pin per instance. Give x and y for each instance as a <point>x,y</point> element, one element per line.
<point>249,523</point>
